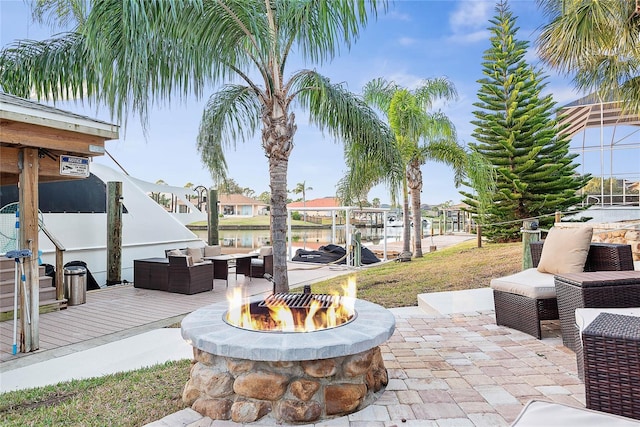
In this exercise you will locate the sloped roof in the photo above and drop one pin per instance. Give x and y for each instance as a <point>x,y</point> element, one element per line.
<point>27,111</point>
<point>589,112</point>
<point>238,199</point>
<point>324,202</point>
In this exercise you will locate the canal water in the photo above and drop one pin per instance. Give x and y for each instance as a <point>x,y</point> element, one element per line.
<point>309,238</point>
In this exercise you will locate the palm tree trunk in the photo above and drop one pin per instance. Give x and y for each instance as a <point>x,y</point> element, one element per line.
<point>414,180</point>
<point>277,141</point>
<point>278,183</point>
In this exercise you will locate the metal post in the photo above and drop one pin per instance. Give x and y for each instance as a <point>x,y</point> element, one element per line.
<point>212,219</point>
<point>289,235</point>
<point>357,245</point>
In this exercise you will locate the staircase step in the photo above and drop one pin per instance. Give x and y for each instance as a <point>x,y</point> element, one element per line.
<point>45,294</point>
<point>8,285</point>
<point>10,272</point>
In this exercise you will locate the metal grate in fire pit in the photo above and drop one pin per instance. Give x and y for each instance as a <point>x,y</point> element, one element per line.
<point>299,301</point>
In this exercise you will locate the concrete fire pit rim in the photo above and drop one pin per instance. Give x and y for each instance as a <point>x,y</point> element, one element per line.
<point>205,329</point>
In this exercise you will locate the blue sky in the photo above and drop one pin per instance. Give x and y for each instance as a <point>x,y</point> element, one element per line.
<point>413,41</point>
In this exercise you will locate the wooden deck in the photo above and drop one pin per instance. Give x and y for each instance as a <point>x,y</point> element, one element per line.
<point>121,311</point>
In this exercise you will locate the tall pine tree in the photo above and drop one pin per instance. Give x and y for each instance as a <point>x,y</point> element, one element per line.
<point>517,133</point>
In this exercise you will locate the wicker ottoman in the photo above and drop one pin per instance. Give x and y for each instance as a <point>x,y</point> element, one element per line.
<point>584,317</point>
<point>612,364</point>
<point>600,289</point>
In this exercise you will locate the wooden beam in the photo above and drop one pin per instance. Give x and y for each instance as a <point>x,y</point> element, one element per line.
<point>28,135</point>
<point>48,167</point>
<point>28,205</point>
<point>53,119</point>
<point>114,233</point>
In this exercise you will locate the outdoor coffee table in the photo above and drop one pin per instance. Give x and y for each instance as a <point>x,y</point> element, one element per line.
<point>221,265</point>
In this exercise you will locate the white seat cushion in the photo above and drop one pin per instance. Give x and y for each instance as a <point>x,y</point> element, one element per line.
<point>529,283</point>
<point>538,413</point>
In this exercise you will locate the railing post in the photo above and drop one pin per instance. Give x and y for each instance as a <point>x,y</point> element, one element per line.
<point>59,274</point>
<point>530,233</point>
<point>479,234</point>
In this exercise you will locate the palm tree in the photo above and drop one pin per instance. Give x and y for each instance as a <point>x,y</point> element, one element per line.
<point>419,135</point>
<point>301,187</point>
<point>598,42</point>
<point>132,54</point>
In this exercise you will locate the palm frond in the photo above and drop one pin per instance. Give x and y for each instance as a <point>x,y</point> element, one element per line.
<point>54,69</point>
<point>379,92</point>
<point>60,13</point>
<point>323,26</point>
<point>231,114</point>
<point>332,107</point>
<point>431,90</point>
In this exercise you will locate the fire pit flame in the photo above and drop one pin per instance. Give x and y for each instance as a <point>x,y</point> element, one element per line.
<point>293,312</point>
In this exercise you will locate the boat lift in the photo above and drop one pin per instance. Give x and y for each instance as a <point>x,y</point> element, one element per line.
<point>349,235</point>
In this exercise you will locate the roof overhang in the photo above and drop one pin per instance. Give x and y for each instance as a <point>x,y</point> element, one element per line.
<point>591,112</point>
<point>29,125</point>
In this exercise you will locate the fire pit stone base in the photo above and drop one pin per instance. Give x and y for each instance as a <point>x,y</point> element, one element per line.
<point>245,391</point>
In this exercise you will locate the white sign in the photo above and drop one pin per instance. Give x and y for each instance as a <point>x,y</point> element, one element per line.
<point>74,166</point>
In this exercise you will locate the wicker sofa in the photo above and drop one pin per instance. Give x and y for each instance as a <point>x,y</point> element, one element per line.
<point>524,299</point>
<point>180,270</point>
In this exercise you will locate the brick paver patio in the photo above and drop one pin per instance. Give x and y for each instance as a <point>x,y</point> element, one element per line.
<point>455,370</point>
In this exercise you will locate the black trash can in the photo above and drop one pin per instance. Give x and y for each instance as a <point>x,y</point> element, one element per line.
<point>75,285</point>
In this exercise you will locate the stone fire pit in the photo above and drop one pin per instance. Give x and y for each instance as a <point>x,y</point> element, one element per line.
<point>291,377</point>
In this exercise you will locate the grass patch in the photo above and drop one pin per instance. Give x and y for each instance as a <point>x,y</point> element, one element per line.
<point>125,399</point>
<point>462,266</point>
<point>140,397</point>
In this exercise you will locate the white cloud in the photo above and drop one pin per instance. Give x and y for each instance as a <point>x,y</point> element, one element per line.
<point>409,81</point>
<point>470,15</point>
<point>407,41</point>
<point>468,22</point>
<point>472,37</point>
<point>399,16</point>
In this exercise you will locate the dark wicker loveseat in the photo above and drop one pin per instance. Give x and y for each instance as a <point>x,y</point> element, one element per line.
<point>525,314</point>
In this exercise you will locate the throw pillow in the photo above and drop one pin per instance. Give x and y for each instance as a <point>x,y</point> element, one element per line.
<point>265,250</point>
<point>175,252</point>
<point>212,250</point>
<point>195,254</point>
<point>565,250</point>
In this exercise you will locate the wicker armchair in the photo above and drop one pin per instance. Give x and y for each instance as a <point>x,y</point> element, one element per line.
<point>263,263</point>
<point>189,279</point>
<point>525,313</point>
